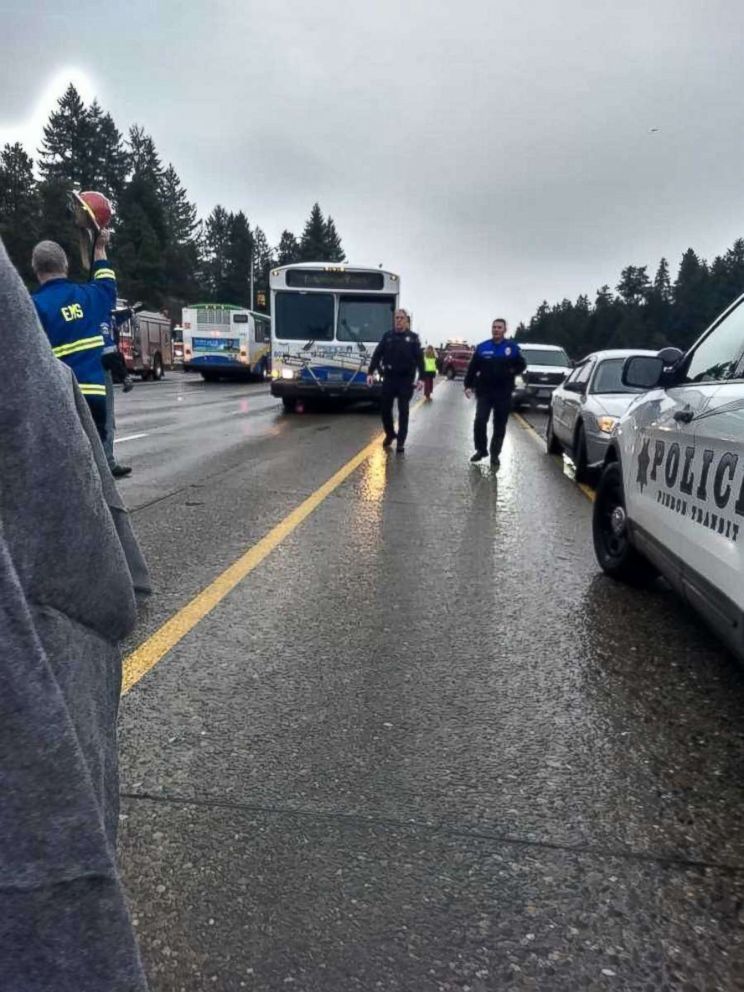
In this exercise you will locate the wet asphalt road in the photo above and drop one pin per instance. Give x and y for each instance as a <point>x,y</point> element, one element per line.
<point>425,745</point>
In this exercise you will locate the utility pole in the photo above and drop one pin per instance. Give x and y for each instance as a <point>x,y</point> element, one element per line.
<point>252,278</point>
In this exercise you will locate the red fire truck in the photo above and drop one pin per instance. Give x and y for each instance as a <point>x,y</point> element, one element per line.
<point>145,343</point>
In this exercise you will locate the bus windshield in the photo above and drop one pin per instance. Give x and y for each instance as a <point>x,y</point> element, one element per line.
<point>304,316</point>
<point>364,318</point>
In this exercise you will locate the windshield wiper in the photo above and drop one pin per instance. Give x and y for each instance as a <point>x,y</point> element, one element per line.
<point>354,336</point>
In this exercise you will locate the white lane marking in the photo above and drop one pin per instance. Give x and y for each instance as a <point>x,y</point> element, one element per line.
<point>132,437</point>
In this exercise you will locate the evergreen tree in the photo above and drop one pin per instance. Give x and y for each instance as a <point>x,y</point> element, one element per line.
<point>662,282</point>
<point>63,163</point>
<point>106,159</point>
<point>20,208</point>
<point>658,310</point>
<point>633,284</point>
<point>692,310</point>
<point>333,247</point>
<point>138,248</point>
<point>144,160</point>
<point>604,298</point>
<point>288,250</point>
<point>237,287</point>
<point>179,213</point>
<point>64,156</point>
<point>263,262</point>
<point>313,246</point>
<point>216,250</point>
<point>141,242</point>
<point>182,249</point>
<point>727,279</point>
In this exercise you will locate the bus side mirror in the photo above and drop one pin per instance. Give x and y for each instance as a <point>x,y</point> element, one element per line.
<point>643,371</point>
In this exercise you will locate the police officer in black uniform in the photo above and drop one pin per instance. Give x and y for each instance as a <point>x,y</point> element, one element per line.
<point>398,357</point>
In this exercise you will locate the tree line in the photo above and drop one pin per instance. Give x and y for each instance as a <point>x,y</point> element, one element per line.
<point>165,255</point>
<point>643,312</point>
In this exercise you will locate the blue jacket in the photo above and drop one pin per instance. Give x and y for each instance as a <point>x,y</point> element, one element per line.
<point>493,367</point>
<point>72,315</point>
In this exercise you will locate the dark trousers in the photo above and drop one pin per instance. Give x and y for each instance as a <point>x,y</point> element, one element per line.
<point>498,404</point>
<point>428,384</point>
<point>97,407</point>
<point>402,390</point>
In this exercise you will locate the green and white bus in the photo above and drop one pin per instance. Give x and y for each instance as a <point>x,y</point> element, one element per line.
<point>224,341</point>
<point>326,321</point>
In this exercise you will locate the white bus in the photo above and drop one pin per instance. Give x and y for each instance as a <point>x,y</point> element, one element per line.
<point>326,321</point>
<point>223,341</point>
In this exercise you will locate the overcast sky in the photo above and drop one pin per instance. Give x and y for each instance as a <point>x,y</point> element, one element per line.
<point>494,153</point>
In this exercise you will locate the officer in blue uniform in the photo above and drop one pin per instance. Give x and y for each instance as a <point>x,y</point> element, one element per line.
<point>72,316</point>
<point>491,373</point>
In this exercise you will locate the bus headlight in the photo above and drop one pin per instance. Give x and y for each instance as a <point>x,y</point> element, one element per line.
<point>288,374</point>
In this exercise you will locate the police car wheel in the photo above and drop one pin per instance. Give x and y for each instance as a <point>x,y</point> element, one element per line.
<point>551,441</point>
<point>612,546</point>
<point>289,403</point>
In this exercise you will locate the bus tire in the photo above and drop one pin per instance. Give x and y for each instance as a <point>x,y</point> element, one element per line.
<point>289,403</point>
<point>157,367</point>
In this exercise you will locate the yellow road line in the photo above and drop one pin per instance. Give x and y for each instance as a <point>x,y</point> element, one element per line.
<point>150,652</point>
<point>529,428</point>
<point>526,425</point>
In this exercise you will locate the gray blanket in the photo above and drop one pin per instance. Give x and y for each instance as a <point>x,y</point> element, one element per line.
<point>70,575</point>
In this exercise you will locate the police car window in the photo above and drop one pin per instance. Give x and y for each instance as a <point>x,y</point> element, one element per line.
<point>717,357</point>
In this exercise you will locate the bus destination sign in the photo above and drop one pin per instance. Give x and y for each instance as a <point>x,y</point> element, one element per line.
<point>335,279</point>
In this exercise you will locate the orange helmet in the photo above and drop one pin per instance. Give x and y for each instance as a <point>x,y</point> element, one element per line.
<point>97,206</point>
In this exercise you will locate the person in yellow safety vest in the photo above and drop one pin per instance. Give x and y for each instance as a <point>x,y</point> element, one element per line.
<point>430,372</point>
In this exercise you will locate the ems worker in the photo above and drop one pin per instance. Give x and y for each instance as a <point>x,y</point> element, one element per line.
<point>398,357</point>
<point>430,371</point>
<point>491,373</point>
<point>72,316</point>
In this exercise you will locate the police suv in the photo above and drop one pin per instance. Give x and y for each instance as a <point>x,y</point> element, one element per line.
<point>671,495</point>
